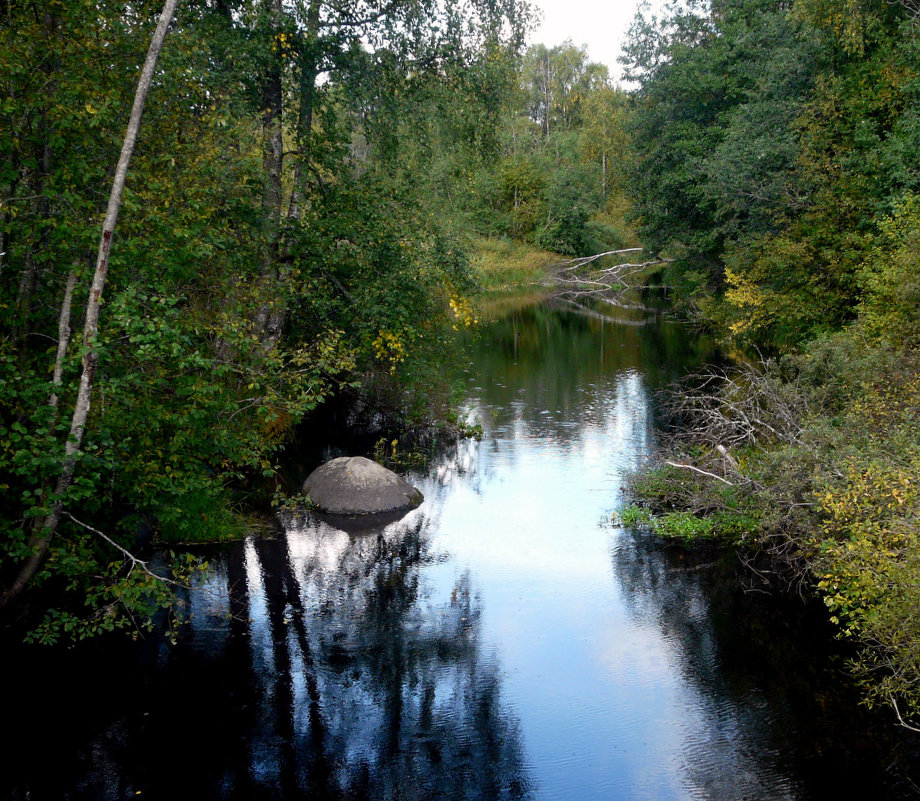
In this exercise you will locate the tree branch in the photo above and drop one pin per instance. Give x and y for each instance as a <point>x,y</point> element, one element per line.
<point>901,720</point>
<point>130,557</point>
<point>701,472</point>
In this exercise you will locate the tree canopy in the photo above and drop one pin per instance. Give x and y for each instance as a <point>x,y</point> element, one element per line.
<point>273,250</point>
<point>775,160</point>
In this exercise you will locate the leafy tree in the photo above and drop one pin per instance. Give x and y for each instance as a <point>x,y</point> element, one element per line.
<point>767,141</point>
<point>558,81</point>
<point>772,145</point>
<point>263,262</point>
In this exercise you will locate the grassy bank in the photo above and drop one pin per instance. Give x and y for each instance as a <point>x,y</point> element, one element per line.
<point>505,265</point>
<point>512,274</point>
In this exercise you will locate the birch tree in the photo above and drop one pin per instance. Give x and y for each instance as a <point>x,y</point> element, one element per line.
<point>45,531</point>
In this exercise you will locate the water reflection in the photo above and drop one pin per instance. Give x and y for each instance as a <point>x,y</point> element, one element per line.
<point>500,642</point>
<point>362,686</point>
<point>769,714</point>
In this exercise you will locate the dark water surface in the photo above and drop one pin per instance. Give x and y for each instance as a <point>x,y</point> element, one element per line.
<point>503,641</point>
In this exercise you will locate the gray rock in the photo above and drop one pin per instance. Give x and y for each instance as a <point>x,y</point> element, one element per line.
<point>353,485</point>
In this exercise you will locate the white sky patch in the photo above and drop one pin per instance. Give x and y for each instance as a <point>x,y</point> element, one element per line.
<point>601,25</point>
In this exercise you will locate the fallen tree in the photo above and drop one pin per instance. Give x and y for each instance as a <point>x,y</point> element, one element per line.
<point>573,283</point>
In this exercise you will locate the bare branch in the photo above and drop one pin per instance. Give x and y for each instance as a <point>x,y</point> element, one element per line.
<point>897,712</point>
<point>130,557</point>
<point>604,283</point>
<point>701,472</point>
<point>582,260</point>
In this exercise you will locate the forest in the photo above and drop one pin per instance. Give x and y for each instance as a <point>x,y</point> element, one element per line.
<point>310,211</point>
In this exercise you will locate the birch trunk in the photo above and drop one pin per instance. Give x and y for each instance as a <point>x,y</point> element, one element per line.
<point>63,339</point>
<point>44,534</point>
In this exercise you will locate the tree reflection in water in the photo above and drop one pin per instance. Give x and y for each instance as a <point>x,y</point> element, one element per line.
<point>365,688</point>
<point>328,666</point>
<point>767,707</point>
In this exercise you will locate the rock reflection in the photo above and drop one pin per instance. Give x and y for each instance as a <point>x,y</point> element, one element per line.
<point>372,689</point>
<point>324,665</point>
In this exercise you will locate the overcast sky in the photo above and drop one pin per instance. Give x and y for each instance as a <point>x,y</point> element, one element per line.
<point>600,24</point>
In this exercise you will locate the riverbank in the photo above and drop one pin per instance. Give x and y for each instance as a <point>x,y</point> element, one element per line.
<point>512,275</point>
<point>811,466</point>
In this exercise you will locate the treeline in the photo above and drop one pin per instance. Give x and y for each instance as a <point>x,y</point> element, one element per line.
<point>277,245</point>
<point>775,160</point>
<point>553,170</point>
<point>776,150</point>
<point>559,179</point>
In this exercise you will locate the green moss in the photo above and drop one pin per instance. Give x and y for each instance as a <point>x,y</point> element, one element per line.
<point>726,528</point>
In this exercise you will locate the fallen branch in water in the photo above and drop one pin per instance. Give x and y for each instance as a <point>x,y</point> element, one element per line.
<point>580,308</point>
<point>581,261</point>
<point>604,282</point>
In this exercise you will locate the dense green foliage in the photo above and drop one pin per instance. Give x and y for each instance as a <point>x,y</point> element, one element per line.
<point>297,223</point>
<point>770,143</point>
<point>274,246</point>
<point>776,162</point>
<point>556,175</point>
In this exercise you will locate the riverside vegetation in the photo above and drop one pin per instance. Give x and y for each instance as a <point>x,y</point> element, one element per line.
<point>776,162</point>
<point>321,192</point>
<point>304,188</point>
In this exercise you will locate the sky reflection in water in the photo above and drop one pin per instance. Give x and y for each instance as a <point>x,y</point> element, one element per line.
<point>503,641</point>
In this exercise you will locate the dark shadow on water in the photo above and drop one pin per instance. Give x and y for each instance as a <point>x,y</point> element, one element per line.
<point>313,668</point>
<point>341,664</point>
<point>780,718</point>
<point>547,364</point>
<point>360,524</point>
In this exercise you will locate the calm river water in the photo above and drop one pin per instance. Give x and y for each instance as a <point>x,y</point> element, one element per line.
<point>503,641</point>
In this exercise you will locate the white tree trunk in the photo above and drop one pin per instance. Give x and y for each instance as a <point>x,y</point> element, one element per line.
<point>43,535</point>
<point>63,339</point>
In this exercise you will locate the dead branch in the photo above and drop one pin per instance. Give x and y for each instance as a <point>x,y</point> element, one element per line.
<point>901,720</point>
<point>129,557</point>
<point>912,7</point>
<point>701,472</point>
<point>737,407</point>
<point>606,282</point>
<point>586,311</point>
<point>581,261</point>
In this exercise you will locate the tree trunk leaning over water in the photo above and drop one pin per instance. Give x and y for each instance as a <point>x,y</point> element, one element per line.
<point>43,535</point>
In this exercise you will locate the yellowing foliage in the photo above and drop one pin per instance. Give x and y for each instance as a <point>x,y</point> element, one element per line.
<point>846,20</point>
<point>751,302</point>
<point>390,348</point>
<point>463,312</point>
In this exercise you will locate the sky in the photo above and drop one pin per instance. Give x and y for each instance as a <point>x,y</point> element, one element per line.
<point>600,24</point>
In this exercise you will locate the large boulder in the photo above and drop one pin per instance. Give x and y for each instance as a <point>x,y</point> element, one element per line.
<point>353,485</point>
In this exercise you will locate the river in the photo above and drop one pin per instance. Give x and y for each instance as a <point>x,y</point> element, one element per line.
<point>506,640</point>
